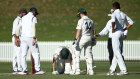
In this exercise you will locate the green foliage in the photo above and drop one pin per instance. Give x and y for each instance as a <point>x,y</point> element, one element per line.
<point>57,19</point>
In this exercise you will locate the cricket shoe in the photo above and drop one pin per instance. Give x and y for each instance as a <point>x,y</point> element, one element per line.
<point>40,72</point>
<point>15,72</point>
<point>77,72</point>
<point>90,72</point>
<point>123,73</point>
<point>23,73</point>
<point>112,73</point>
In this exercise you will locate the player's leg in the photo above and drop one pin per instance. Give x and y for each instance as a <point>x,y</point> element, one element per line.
<point>116,42</point>
<point>68,68</point>
<point>89,58</point>
<point>60,67</point>
<point>19,58</point>
<point>122,48</point>
<point>24,49</point>
<point>77,56</point>
<point>110,50</point>
<point>36,55</point>
<point>15,68</point>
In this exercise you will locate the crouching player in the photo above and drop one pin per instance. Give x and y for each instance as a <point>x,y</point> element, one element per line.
<point>62,61</point>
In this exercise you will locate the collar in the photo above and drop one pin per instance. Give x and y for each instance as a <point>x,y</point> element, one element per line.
<point>30,13</point>
<point>84,17</point>
<point>18,17</point>
<point>117,10</point>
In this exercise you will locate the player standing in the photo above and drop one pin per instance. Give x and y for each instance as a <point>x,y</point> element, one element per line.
<point>118,19</point>
<point>108,28</point>
<point>62,60</point>
<point>82,40</point>
<point>16,49</point>
<point>28,40</point>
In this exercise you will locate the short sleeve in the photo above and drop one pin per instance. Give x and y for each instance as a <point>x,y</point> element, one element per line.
<point>34,19</point>
<point>15,24</point>
<point>57,52</point>
<point>79,25</point>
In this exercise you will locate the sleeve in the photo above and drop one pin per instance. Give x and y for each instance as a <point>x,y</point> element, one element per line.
<point>18,28</point>
<point>79,25</point>
<point>129,20</point>
<point>34,20</point>
<point>57,52</point>
<point>105,30</point>
<point>113,17</point>
<point>15,24</point>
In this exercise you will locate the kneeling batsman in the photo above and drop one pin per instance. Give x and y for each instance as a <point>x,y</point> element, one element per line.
<point>62,61</point>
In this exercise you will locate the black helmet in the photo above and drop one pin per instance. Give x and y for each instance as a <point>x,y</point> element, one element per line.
<point>34,9</point>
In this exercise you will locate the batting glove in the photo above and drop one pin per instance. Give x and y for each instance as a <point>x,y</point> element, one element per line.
<point>74,41</point>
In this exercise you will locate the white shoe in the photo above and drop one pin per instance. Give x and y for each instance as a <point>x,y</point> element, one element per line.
<point>23,73</point>
<point>39,72</point>
<point>122,73</point>
<point>90,72</point>
<point>111,73</point>
<point>15,72</point>
<point>77,72</point>
<point>72,72</point>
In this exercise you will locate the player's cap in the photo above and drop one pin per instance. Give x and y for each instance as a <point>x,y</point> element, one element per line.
<point>111,11</point>
<point>22,10</point>
<point>82,10</point>
<point>34,9</point>
<point>64,53</point>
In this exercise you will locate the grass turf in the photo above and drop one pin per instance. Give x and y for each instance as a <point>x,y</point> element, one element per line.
<point>100,72</point>
<point>57,19</point>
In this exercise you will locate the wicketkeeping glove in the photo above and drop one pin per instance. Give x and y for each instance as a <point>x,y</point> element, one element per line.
<point>93,42</point>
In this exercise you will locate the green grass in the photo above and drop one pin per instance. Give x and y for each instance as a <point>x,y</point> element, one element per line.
<point>57,19</point>
<point>100,72</point>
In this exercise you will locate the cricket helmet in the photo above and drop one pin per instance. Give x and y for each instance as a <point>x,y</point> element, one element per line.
<point>81,11</point>
<point>64,53</point>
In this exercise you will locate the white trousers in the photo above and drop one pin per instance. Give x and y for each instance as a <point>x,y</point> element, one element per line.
<point>16,56</point>
<point>26,43</point>
<point>63,66</point>
<point>117,39</point>
<point>86,44</point>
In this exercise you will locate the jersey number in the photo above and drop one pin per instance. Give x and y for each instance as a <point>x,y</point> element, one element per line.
<point>88,25</point>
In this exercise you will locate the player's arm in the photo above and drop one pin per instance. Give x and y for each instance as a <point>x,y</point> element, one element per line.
<point>17,34</point>
<point>34,30</point>
<point>113,22</point>
<point>18,30</point>
<point>129,20</point>
<point>78,33</point>
<point>15,24</point>
<point>79,30</point>
<point>54,63</point>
